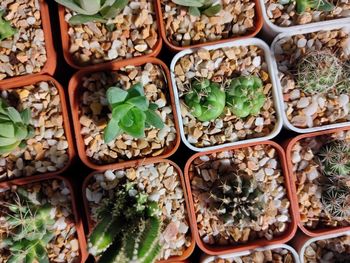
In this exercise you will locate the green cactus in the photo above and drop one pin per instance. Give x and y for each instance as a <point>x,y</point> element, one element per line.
<point>129,229</point>
<point>198,7</point>
<point>334,160</point>
<point>6,31</point>
<point>319,72</point>
<point>319,5</point>
<point>245,96</point>
<point>93,10</point>
<point>30,226</point>
<point>205,100</point>
<point>237,198</point>
<point>336,201</point>
<point>131,113</point>
<point>15,128</point>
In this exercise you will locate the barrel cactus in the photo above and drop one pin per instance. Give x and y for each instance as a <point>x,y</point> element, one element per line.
<point>245,96</point>
<point>15,128</point>
<point>205,100</point>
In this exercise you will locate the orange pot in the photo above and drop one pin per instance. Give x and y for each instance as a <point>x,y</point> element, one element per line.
<point>189,250</point>
<point>258,25</point>
<point>66,125</point>
<point>74,101</point>
<point>289,146</point>
<point>219,250</point>
<point>68,56</point>
<point>78,221</point>
<point>50,65</point>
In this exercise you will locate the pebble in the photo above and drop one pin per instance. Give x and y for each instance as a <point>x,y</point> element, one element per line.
<point>303,103</point>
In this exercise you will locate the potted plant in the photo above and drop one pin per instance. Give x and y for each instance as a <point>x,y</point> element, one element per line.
<point>240,198</point>
<point>313,75</point>
<point>99,33</point>
<point>225,95</point>
<point>39,221</point>
<point>274,253</point>
<point>324,248</point>
<point>141,209</point>
<point>35,136</point>
<point>26,46</point>
<point>317,163</point>
<point>124,113</point>
<point>284,16</point>
<point>192,24</point>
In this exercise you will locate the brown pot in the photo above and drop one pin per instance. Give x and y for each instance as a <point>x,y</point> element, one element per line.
<point>258,25</point>
<point>69,58</point>
<point>50,65</point>
<point>289,146</point>
<point>74,101</point>
<point>219,250</point>
<point>66,125</point>
<point>78,221</point>
<point>189,250</point>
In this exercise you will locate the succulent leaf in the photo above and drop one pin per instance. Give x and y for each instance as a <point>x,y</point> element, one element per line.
<point>198,7</point>
<point>6,31</point>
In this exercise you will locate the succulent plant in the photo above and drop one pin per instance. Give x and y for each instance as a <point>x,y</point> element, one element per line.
<point>131,113</point>
<point>128,230</point>
<point>305,5</point>
<point>237,197</point>
<point>6,30</point>
<point>15,127</point>
<point>30,225</point>
<point>205,100</point>
<point>93,10</point>
<point>198,7</point>
<point>334,160</point>
<point>336,201</point>
<point>318,72</point>
<point>245,96</point>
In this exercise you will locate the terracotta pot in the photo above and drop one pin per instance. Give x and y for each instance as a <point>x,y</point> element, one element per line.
<point>190,249</point>
<point>50,65</point>
<point>78,221</point>
<point>69,58</point>
<point>258,25</point>
<point>289,144</point>
<point>219,250</point>
<point>74,101</point>
<point>66,125</point>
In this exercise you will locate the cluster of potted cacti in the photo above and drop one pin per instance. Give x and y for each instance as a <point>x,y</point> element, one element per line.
<point>241,197</point>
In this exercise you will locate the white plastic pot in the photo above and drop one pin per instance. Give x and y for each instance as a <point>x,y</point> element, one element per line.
<point>302,242</point>
<point>208,259</point>
<point>243,42</point>
<point>286,122</point>
<point>270,30</point>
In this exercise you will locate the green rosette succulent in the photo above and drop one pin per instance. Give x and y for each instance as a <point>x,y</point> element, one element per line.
<point>245,96</point>
<point>198,7</point>
<point>304,5</point>
<point>6,31</point>
<point>205,100</point>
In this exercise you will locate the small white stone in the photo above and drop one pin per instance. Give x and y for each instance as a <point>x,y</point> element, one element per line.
<point>257,61</point>
<point>60,224</point>
<point>294,94</point>
<point>343,100</point>
<point>31,20</point>
<point>259,121</point>
<point>302,43</point>
<point>109,175</point>
<point>282,218</point>
<point>303,103</point>
<point>311,109</point>
<point>112,54</point>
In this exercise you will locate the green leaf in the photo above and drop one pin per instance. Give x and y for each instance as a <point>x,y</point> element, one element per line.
<point>126,121</point>
<point>26,116</point>
<point>213,10</point>
<point>7,141</point>
<point>120,111</point>
<point>112,131</point>
<point>16,258</point>
<point>90,6</point>
<point>195,3</point>
<point>153,106</point>
<point>301,6</point>
<point>140,102</point>
<point>138,117</point>
<point>194,11</point>
<point>116,95</point>
<point>136,90</point>
<point>114,10</point>
<point>7,129</point>
<point>75,7</point>
<point>41,253</point>
<point>21,132</point>
<point>14,115</point>
<point>82,19</point>
<point>154,119</point>
<point>324,6</point>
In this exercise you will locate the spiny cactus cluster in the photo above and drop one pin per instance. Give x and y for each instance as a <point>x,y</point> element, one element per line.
<point>30,229</point>
<point>336,201</point>
<point>237,197</point>
<point>318,72</point>
<point>129,228</point>
<point>15,127</point>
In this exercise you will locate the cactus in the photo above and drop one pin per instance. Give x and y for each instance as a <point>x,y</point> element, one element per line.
<point>334,160</point>
<point>318,72</point>
<point>30,228</point>
<point>15,128</point>
<point>237,197</point>
<point>6,31</point>
<point>131,113</point>
<point>336,201</point>
<point>130,231</point>
<point>319,5</point>
<point>198,7</point>
<point>245,96</point>
<point>205,100</point>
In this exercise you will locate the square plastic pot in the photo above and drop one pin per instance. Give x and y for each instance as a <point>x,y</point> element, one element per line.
<point>244,42</point>
<point>220,250</point>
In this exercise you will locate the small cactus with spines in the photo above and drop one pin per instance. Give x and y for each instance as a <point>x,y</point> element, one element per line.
<point>129,228</point>
<point>336,201</point>
<point>237,198</point>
